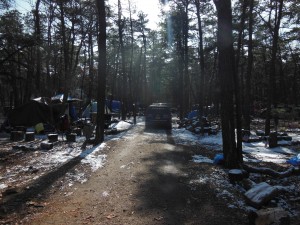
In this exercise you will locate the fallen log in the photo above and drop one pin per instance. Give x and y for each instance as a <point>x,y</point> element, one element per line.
<point>292,171</point>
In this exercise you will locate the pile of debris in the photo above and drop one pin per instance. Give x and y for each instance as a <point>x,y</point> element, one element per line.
<point>24,137</point>
<point>200,125</point>
<point>274,139</point>
<point>266,197</point>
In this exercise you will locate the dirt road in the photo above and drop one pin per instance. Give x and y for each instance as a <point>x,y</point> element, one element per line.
<point>145,180</point>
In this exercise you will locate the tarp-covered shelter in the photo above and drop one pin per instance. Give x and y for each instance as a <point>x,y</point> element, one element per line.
<point>114,105</point>
<point>92,108</point>
<point>34,112</point>
<point>59,99</point>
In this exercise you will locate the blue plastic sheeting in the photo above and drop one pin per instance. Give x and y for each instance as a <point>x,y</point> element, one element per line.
<point>295,161</point>
<point>92,108</point>
<point>219,159</point>
<point>114,105</point>
<point>193,114</point>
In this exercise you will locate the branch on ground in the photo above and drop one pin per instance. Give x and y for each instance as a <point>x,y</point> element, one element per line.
<point>292,171</point>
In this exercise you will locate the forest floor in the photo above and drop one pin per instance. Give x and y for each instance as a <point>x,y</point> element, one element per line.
<point>137,177</point>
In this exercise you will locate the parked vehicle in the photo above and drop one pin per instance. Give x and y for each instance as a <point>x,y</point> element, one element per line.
<point>159,115</point>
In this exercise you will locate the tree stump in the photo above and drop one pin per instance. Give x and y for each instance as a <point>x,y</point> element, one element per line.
<point>46,145</point>
<point>273,140</point>
<point>237,175</point>
<point>88,130</point>
<point>245,135</point>
<point>71,137</point>
<point>16,135</point>
<point>29,136</point>
<point>53,137</point>
<point>260,133</point>
<point>269,216</point>
<point>20,128</point>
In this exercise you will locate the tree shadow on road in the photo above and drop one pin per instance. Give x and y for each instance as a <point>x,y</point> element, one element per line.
<point>170,195</point>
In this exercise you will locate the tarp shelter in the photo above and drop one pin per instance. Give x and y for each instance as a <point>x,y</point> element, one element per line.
<point>71,111</point>
<point>59,99</point>
<point>44,100</point>
<point>92,108</point>
<point>114,105</point>
<point>32,113</point>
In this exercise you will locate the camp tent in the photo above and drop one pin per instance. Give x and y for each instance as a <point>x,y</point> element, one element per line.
<point>30,114</point>
<point>34,112</point>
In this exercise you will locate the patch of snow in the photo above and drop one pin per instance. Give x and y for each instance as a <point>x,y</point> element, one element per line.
<point>184,137</point>
<point>92,158</point>
<point>122,125</point>
<point>224,188</point>
<point>105,194</point>
<point>235,171</point>
<point>200,180</point>
<point>127,165</point>
<point>3,186</point>
<point>201,159</point>
<point>254,152</point>
<point>76,177</point>
<point>265,154</point>
<point>45,161</point>
<point>295,137</point>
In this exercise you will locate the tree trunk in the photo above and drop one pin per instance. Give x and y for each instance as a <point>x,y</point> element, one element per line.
<point>185,31</point>
<point>66,53</point>
<point>91,68</point>
<point>282,86</point>
<point>130,73</point>
<point>272,78</point>
<point>181,78</point>
<point>123,72</point>
<point>226,75</point>
<point>49,51</point>
<point>295,79</point>
<point>248,86</point>
<point>240,49</point>
<point>38,51</point>
<point>201,59</point>
<point>101,71</point>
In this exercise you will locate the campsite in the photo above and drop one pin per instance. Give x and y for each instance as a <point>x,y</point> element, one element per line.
<point>32,172</point>
<point>161,112</point>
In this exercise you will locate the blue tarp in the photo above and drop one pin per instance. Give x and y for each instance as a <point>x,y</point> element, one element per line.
<point>92,108</point>
<point>193,114</point>
<point>219,159</point>
<point>113,105</point>
<point>295,161</point>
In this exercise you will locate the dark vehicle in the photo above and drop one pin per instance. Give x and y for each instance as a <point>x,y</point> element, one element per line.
<point>159,115</point>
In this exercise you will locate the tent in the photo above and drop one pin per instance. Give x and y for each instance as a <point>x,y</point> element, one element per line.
<point>34,112</point>
<point>59,99</point>
<point>92,108</point>
<point>44,100</point>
